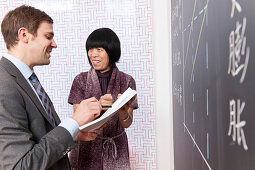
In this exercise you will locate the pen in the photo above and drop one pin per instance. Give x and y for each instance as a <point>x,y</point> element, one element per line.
<point>106,106</point>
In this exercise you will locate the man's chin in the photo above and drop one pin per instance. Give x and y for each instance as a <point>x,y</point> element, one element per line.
<point>48,62</point>
<point>44,63</point>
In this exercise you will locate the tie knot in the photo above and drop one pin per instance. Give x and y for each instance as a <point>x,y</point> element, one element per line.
<point>33,78</point>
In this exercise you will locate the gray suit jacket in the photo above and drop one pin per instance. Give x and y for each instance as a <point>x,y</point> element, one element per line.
<point>27,138</point>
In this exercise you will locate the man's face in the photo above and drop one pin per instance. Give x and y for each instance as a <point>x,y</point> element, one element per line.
<point>40,45</point>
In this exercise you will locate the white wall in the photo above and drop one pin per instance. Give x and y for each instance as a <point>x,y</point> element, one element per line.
<point>161,32</point>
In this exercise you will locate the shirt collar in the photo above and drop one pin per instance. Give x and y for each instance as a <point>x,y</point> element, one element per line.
<point>23,68</point>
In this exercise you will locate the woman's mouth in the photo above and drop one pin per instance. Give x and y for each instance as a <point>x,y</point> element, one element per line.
<point>95,61</point>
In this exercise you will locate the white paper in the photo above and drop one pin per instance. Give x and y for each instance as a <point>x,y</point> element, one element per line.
<point>121,101</point>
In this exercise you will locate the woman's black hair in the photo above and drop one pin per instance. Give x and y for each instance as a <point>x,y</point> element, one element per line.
<point>108,40</point>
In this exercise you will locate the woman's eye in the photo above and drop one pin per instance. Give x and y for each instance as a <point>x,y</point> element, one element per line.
<point>100,49</point>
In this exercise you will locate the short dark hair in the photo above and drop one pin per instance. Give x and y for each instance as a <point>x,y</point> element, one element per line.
<point>107,39</point>
<point>23,16</point>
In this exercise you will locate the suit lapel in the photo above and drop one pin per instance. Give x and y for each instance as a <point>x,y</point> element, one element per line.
<point>22,82</point>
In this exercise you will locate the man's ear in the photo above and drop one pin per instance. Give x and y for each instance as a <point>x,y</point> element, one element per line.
<point>23,34</point>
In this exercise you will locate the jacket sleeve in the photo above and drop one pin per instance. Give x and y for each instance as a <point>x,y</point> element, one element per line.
<point>132,85</point>
<point>20,148</point>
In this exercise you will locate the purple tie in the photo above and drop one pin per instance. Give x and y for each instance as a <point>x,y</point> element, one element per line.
<point>43,96</point>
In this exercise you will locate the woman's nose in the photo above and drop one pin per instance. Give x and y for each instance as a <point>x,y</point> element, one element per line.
<point>94,52</point>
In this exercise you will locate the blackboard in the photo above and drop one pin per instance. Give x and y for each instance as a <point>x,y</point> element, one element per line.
<point>213,47</point>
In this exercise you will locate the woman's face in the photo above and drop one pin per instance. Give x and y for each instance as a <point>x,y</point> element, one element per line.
<point>99,59</point>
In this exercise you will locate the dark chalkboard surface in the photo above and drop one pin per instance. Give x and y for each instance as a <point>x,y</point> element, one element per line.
<point>213,48</point>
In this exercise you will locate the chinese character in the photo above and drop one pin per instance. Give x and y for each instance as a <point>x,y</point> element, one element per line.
<point>235,124</point>
<point>236,5</point>
<point>238,50</point>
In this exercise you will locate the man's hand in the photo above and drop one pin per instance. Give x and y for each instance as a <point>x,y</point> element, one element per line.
<point>106,100</point>
<point>87,111</point>
<point>87,136</point>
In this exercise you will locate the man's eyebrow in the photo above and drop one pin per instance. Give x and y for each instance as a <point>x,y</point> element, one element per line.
<point>51,33</point>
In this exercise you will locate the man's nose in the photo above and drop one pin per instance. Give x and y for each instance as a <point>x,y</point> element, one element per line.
<point>53,44</point>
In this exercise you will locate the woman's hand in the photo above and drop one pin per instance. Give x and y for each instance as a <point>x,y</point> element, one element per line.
<point>126,113</point>
<point>106,100</point>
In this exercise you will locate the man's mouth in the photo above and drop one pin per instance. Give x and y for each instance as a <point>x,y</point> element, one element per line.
<point>48,51</point>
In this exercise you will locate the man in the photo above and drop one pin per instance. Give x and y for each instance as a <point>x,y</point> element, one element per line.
<point>31,137</point>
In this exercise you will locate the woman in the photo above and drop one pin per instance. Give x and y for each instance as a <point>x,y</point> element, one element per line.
<point>105,82</point>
